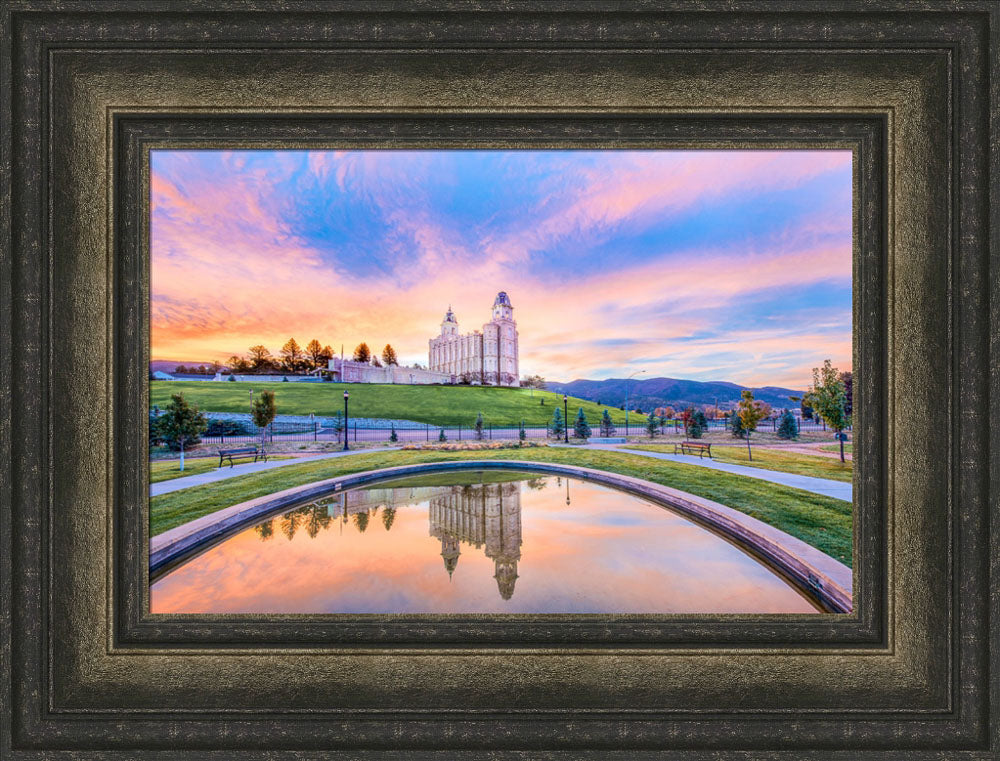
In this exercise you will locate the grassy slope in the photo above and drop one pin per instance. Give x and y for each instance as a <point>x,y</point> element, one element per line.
<point>817,466</point>
<point>823,522</point>
<point>438,405</point>
<point>166,470</point>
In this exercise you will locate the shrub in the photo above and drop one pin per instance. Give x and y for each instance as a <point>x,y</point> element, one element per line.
<point>441,436</point>
<point>392,435</point>
<point>736,425</point>
<point>232,378</point>
<point>521,433</point>
<point>787,428</point>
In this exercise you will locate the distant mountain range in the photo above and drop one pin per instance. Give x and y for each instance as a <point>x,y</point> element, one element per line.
<point>168,365</point>
<point>650,393</point>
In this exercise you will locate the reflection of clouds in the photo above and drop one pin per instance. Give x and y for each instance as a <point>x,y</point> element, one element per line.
<point>604,552</point>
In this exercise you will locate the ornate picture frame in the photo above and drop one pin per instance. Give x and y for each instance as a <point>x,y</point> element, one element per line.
<point>94,86</point>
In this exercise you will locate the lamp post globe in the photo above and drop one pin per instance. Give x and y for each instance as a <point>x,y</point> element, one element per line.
<point>346,421</point>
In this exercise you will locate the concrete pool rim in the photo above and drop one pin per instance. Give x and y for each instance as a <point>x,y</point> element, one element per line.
<point>820,576</point>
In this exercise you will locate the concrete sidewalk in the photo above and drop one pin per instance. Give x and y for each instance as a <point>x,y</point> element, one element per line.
<point>221,474</point>
<point>823,486</point>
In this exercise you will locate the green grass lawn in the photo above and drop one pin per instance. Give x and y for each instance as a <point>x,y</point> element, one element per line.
<point>848,448</point>
<point>166,470</point>
<point>438,405</point>
<point>823,522</point>
<point>817,466</point>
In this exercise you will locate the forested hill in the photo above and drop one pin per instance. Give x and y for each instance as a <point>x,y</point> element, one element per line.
<point>660,392</point>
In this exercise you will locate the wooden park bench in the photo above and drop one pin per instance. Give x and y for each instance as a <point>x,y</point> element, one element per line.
<point>256,451</point>
<point>692,447</point>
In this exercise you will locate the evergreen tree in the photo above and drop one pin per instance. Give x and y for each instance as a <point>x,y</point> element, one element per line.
<point>558,424</point>
<point>392,434</point>
<point>607,426</point>
<point>362,353</point>
<point>389,356</point>
<point>291,355</point>
<point>441,436</point>
<point>521,433</point>
<point>338,424</point>
<point>697,425</point>
<point>581,429</point>
<point>232,378</point>
<point>181,425</point>
<point>652,423</point>
<point>736,425</point>
<point>787,429</point>
<point>314,354</point>
<point>479,427</point>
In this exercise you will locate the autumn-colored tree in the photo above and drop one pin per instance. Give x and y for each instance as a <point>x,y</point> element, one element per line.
<point>291,355</point>
<point>750,413</point>
<point>685,417</point>
<point>314,353</point>
<point>238,364</point>
<point>260,358</point>
<point>828,398</point>
<point>389,356</point>
<point>375,362</point>
<point>362,353</point>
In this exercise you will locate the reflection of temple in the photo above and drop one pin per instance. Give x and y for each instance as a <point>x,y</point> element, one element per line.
<point>482,515</point>
<point>486,516</point>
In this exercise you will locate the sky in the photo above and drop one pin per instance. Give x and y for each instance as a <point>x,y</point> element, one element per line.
<point>700,264</point>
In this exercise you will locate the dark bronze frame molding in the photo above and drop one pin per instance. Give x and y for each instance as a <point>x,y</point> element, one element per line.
<point>92,86</point>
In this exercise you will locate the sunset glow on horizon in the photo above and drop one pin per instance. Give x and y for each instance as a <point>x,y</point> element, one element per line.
<point>703,265</point>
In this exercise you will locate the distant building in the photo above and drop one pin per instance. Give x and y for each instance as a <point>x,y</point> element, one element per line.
<point>348,371</point>
<point>489,357</point>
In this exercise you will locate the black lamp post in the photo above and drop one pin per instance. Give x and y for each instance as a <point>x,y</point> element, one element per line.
<point>566,416</point>
<point>346,422</point>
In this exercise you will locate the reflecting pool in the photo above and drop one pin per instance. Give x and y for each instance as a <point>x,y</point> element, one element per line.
<point>476,542</point>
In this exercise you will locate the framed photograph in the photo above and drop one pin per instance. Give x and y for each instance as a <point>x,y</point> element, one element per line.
<point>543,380</point>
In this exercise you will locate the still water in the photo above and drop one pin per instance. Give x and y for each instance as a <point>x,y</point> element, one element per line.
<point>476,542</point>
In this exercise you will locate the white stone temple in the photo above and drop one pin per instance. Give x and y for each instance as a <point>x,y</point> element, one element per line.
<point>488,357</point>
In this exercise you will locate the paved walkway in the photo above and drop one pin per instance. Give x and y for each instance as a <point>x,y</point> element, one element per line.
<point>824,486</point>
<point>210,477</point>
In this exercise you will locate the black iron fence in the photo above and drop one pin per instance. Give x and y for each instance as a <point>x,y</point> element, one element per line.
<point>225,432</point>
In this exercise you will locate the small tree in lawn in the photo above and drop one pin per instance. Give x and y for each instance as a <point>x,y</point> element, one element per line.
<point>558,424</point>
<point>522,434</point>
<point>750,413</point>
<point>686,416</point>
<point>479,427</point>
<point>787,429</point>
<point>651,425</point>
<point>181,424</point>
<point>392,434</point>
<point>697,425</point>
<point>581,429</point>
<point>264,410</point>
<point>441,436</point>
<point>828,398</point>
<point>736,425</point>
<point>607,426</point>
